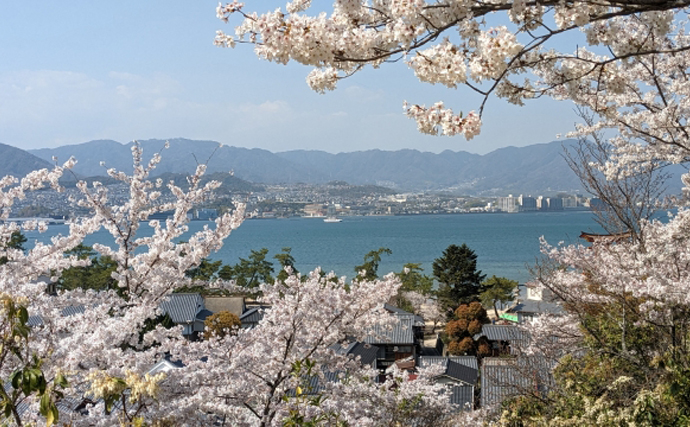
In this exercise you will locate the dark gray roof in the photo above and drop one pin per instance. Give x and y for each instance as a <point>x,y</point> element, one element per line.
<point>469,361</point>
<point>502,333</point>
<point>462,373</point>
<point>64,404</point>
<point>35,321</point>
<point>203,314</point>
<point>365,352</point>
<point>505,377</point>
<point>313,385</point>
<point>400,333</point>
<point>536,307</point>
<point>182,308</point>
<point>72,310</point>
<point>253,315</point>
<point>462,396</point>
<point>400,312</point>
<point>69,404</point>
<point>452,369</point>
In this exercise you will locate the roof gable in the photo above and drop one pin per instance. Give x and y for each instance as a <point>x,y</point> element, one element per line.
<point>453,370</point>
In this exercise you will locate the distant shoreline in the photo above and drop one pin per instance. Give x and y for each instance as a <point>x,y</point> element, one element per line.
<point>421,214</point>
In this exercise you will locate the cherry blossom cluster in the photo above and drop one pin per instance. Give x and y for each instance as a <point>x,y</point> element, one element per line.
<point>654,270</point>
<point>632,77</point>
<point>439,120</point>
<point>248,378</point>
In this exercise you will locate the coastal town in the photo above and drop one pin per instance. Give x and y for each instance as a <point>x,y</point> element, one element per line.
<point>335,198</point>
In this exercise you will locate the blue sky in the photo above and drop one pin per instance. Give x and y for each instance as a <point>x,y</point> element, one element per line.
<point>79,70</point>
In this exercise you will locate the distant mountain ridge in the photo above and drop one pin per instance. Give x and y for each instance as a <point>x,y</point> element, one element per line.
<point>534,169</point>
<point>255,165</point>
<point>17,162</point>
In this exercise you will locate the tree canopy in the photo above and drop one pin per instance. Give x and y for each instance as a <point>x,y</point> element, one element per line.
<point>15,243</point>
<point>286,260</point>
<point>458,277</point>
<point>97,275</point>
<point>627,68</point>
<point>250,272</point>
<point>370,266</point>
<point>467,322</point>
<point>497,289</point>
<point>221,324</point>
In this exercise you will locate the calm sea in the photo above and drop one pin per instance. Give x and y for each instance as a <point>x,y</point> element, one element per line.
<point>505,244</point>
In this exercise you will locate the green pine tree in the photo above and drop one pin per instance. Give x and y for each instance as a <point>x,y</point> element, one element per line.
<point>458,277</point>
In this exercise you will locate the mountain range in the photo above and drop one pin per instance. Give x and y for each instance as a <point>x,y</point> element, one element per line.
<point>534,169</point>
<point>17,162</point>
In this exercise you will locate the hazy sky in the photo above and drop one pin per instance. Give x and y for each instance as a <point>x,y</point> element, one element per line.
<point>76,71</point>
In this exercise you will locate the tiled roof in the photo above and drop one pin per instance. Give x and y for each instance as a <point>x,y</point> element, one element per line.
<point>400,312</point>
<point>535,306</point>
<point>365,352</point>
<point>502,333</point>
<point>400,333</point>
<point>462,396</point>
<point>164,365</point>
<point>462,373</point>
<point>35,321</point>
<point>203,314</point>
<point>469,361</point>
<point>72,310</point>
<point>182,308</point>
<point>253,315</point>
<point>452,369</point>
<point>313,385</point>
<point>505,377</point>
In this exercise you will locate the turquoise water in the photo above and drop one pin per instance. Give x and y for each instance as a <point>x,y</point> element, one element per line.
<point>505,244</point>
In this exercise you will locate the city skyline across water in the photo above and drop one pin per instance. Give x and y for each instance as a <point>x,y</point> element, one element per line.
<point>505,244</point>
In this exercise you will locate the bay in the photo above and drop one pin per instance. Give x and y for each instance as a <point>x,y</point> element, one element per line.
<point>505,244</point>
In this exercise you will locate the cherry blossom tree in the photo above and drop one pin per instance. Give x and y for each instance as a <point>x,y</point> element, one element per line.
<point>627,69</point>
<point>93,349</point>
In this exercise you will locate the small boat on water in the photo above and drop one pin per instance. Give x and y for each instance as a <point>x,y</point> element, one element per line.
<point>331,214</point>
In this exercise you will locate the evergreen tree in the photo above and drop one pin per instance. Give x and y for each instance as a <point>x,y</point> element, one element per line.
<point>371,264</point>
<point>495,289</point>
<point>205,271</point>
<point>285,259</point>
<point>412,282</point>
<point>458,277</point>
<point>97,276</point>
<point>16,241</point>
<point>249,273</point>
